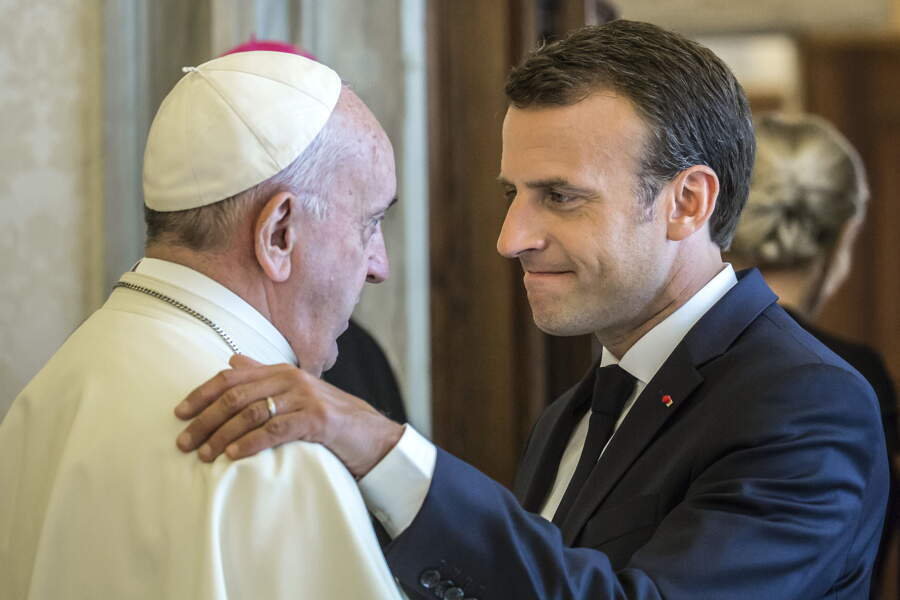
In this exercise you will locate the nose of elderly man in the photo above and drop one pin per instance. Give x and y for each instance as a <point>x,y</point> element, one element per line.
<point>379,265</point>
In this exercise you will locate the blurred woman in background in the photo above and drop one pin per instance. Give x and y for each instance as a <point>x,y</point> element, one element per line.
<point>806,206</point>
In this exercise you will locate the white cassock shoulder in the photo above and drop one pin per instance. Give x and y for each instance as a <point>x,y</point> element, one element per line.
<point>280,533</point>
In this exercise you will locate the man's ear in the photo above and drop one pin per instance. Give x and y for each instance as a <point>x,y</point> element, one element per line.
<point>692,202</point>
<point>275,235</point>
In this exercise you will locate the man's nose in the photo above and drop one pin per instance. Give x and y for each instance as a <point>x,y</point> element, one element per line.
<point>521,231</point>
<point>379,266</point>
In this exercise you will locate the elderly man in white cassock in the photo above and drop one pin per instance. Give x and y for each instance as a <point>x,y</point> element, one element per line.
<point>265,183</point>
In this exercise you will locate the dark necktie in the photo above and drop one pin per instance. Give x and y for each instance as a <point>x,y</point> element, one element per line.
<point>612,387</point>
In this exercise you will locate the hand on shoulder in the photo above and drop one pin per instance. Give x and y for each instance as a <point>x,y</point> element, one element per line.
<point>253,407</point>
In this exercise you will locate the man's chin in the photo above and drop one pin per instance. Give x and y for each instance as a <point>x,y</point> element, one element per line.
<point>559,325</point>
<point>332,356</point>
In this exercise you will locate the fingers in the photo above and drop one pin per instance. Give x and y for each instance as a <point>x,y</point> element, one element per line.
<point>254,415</point>
<point>208,392</point>
<point>248,399</point>
<point>278,430</point>
<point>241,361</point>
<point>231,414</point>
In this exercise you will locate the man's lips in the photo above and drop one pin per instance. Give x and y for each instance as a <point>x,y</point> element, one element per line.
<point>538,275</point>
<point>534,269</point>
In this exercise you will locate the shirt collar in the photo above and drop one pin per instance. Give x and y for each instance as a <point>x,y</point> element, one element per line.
<point>215,293</point>
<point>649,353</point>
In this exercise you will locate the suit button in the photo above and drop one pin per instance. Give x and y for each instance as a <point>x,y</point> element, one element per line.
<point>442,588</point>
<point>454,593</point>
<point>430,578</point>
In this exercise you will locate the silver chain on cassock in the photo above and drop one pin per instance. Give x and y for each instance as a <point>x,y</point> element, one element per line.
<point>182,307</point>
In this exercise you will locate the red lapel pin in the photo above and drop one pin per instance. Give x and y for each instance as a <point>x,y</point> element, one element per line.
<point>667,400</point>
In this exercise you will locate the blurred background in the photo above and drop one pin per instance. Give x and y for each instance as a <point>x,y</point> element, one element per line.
<point>81,79</point>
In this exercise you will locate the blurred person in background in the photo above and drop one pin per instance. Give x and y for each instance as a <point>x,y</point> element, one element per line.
<point>806,206</point>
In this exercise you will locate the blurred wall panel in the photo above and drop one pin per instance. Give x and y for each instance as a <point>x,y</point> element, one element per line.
<point>145,46</point>
<point>719,16</point>
<point>855,83</point>
<point>487,356</point>
<point>766,64</point>
<point>236,21</point>
<point>51,251</point>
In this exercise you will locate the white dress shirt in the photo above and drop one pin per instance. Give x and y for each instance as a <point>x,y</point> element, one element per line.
<point>97,502</point>
<point>395,489</point>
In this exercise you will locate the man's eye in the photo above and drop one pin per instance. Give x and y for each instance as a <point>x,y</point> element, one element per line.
<point>557,198</point>
<point>509,194</point>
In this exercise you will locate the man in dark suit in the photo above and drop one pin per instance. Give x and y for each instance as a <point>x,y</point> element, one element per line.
<point>716,451</point>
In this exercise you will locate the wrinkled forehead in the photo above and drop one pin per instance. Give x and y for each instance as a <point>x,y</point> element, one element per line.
<point>352,114</point>
<point>366,156</point>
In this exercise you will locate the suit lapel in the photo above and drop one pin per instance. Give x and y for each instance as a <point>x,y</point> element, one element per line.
<point>549,441</point>
<point>679,376</point>
<point>676,379</point>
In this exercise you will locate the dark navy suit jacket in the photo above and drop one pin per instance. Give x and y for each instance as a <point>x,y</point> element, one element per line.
<point>766,478</point>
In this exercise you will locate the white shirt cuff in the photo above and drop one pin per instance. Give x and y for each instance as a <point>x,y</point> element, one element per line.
<point>395,489</point>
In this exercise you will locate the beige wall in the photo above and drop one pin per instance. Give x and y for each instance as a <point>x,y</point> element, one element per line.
<point>50,179</point>
<point>701,16</point>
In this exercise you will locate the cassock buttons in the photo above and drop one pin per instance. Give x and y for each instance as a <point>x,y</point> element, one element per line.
<point>430,578</point>
<point>454,593</point>
<point>441,589</point>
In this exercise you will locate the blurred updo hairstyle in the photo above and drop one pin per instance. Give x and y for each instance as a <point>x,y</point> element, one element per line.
<point>807,198</point>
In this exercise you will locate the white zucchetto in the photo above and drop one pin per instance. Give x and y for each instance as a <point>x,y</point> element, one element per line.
<point>232,123</point>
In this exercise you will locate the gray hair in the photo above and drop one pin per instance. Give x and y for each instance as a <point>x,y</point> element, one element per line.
<point>209,227</point>
<point>808,183</point>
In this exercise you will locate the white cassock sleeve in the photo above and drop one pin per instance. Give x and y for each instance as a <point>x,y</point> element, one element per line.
<point>290,523</point>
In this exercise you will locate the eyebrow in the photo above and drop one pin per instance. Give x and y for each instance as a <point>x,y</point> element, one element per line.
<point>556,183</point>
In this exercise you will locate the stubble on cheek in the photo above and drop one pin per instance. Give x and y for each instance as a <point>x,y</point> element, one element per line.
<point>560,313</point>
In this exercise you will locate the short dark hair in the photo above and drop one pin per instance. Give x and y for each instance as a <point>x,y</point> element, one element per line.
<point>695,110</point>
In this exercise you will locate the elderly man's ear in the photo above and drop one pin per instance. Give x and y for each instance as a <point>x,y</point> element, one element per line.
<point>276,235</point>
